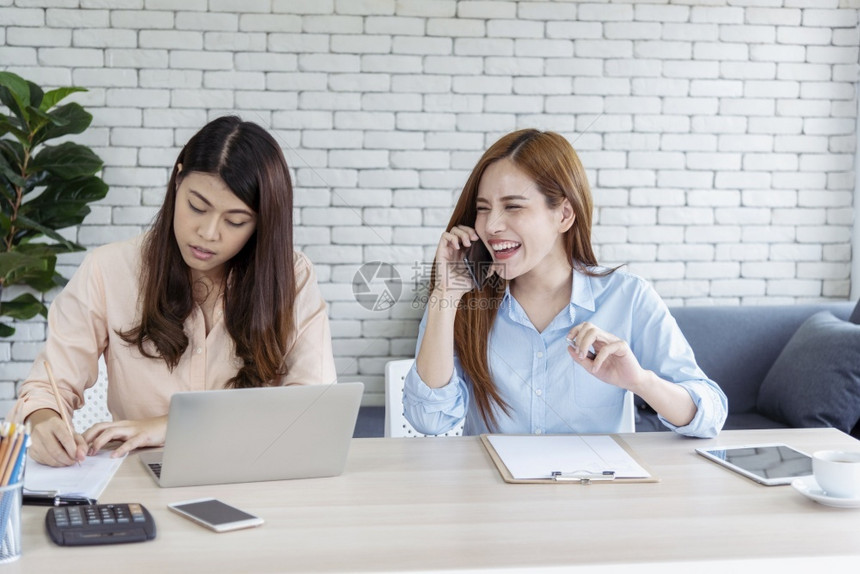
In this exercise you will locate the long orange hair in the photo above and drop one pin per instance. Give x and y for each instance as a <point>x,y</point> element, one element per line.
<point>551,162</point>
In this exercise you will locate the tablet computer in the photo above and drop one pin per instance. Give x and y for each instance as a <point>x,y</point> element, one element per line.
<point>768,464</point>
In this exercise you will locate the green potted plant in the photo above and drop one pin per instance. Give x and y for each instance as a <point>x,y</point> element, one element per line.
<point>43,189</point>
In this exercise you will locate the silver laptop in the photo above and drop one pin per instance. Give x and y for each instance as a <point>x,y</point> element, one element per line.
<point>249,435</point>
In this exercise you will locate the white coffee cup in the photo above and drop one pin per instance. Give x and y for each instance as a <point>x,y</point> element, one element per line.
<point>837,472</point>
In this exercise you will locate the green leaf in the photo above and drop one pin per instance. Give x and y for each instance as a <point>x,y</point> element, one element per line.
<point>38,118</point>
<point>44,250</point>
<point>7,192</point>
<point>66,161</point>
<point>36,94</point>
<point>40,281</point>
<point>25,223</point>
<point>23,307</point>
<point>6,330</point>
<point>16,84</point>
<point>64,120</point>
<point>36,270</point>
<point>13,177</point>
<point>13,153</point>
<point>52,97</point>
<point>15,94</point>
<point>11,261</point>
<point>64,203</point>
<point>36,180</point>
<point>11,125</point>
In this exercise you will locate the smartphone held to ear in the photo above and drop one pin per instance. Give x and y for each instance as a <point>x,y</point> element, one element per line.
<point>478,261</point>
<point>214,514</point>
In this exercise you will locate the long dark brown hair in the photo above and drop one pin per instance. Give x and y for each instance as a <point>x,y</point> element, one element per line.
<point>259,288</point>
<point>551,162</point>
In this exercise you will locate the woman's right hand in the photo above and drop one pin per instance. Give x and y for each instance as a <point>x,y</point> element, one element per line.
<point>51,443</point>
<point>452,278</point>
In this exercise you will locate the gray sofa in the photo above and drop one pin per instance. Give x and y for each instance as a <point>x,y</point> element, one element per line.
<point>738,347</point>
<point>774,373</point>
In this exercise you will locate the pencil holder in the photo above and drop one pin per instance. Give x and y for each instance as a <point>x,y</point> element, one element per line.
<point>10,522</point>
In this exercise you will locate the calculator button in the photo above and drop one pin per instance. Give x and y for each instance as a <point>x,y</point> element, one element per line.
<point>136,512</point>
<point>107,515</point>
<point>76,517</point>
<point>61,516</point>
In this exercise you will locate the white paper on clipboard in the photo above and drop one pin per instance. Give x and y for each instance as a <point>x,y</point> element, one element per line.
<point>539,456</point>
<point>87,479</point>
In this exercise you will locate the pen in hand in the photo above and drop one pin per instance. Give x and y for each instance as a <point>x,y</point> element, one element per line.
<point>60,407</point>
<point>572,343</point>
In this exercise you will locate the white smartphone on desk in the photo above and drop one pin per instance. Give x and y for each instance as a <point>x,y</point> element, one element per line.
<point>214,514</point>
<point>768,464</point>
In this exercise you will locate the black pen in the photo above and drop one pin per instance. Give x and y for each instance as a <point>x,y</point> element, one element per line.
<point>55,500</point>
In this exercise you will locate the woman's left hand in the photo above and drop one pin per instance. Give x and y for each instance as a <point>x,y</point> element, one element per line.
<point>613,361</point>
<point>132,434</point>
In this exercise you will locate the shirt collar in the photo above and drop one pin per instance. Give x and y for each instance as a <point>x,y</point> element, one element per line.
<point>513,309</point>
<point>581,295</point>
<point>581,292</point>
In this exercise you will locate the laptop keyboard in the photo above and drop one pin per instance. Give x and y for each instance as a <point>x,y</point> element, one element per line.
<point>156,468</point>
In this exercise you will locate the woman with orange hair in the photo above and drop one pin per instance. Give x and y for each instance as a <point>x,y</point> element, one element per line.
<point>552,341</point>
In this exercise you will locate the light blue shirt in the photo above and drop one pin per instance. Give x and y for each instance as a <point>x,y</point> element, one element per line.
<point>549,393</point>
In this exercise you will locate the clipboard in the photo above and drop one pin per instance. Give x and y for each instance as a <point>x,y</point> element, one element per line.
<point>76,484</point>
<point>592,476</point>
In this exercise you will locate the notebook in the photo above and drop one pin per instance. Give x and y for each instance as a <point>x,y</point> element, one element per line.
<point>250,435</point>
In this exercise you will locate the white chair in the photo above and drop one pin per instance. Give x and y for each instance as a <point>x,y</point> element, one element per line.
<point>628,422</point>
<point>396,424</point>
<point>95,403</point>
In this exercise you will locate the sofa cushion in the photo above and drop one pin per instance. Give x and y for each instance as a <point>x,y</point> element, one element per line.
<point>855,314</point>
<point>815,381</point>
<point>737,345</point>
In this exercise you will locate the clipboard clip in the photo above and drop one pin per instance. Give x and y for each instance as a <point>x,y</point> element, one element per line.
<point>582,476</point>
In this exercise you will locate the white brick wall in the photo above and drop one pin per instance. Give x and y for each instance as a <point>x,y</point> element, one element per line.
<point>720,137</point>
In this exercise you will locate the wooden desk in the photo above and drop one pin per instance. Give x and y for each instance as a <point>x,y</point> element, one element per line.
<point>436,504</point>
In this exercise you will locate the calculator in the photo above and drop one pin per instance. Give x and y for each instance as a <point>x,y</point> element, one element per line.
<point>99,524</point>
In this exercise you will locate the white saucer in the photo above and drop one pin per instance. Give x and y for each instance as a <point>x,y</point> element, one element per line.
<point>809,488</point>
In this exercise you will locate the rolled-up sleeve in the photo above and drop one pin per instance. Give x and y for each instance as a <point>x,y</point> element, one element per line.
<point>434,411</point>
<point>711,410</point>
<point>662,348</point>
<point>77,335</point>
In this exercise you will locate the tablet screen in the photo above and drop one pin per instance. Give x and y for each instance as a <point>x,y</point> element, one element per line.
<point>768,462</point>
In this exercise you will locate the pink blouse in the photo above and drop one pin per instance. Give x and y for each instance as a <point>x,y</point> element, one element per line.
<point>103,298</point>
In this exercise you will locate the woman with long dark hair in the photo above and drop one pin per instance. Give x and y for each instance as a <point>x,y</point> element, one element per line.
<point>553,344</point>
<point>212,296</point>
